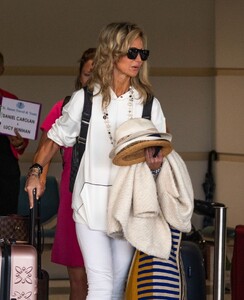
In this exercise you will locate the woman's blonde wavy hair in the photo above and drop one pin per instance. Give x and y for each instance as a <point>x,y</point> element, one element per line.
<point>114,41</point>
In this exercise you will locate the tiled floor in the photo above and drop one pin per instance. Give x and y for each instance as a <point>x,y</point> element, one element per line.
<point>59,290</point>
<point>59,284</point>
<point>227,297</point>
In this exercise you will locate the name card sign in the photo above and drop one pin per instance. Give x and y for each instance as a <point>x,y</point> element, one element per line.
<point>19,114</point>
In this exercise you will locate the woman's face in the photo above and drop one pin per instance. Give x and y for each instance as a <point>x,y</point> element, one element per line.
<point>129,67</point>
<point>86,72</point>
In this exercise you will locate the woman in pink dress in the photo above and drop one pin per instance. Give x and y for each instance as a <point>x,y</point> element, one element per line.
<point>66,250</point>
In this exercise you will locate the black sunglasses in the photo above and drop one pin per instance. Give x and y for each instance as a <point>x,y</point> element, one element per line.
<point>133,52</point>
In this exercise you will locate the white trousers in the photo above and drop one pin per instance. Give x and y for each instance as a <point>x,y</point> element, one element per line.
<point>107,263</point>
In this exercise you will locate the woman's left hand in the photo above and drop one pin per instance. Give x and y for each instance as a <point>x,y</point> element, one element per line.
<point>17,141</point>
<point>153,163</point>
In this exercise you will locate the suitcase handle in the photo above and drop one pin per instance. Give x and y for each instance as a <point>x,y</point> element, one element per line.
<point>32,220</point>
<point>35,229</point>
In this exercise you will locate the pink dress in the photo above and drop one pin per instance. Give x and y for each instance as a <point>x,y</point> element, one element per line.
<point>65,250</point>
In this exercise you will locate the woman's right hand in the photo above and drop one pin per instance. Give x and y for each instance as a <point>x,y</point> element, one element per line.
<point>36,178</point>
<point>34,182</point>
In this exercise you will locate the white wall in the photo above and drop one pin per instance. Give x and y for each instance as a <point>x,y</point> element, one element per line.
<point>229,126</point>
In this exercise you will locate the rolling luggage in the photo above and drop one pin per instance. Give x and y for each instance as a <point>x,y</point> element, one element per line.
<point>194,270</point>
<point>237,271</point>
<point>18,272</point>
<point>20,267</point>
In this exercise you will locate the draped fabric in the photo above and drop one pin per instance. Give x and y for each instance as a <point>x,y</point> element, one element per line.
<point>141,210</point>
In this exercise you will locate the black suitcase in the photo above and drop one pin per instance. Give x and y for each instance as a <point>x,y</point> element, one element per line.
<point>194,270</point>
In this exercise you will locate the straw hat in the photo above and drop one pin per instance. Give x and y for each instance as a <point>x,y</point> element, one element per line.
<point>132,137</point>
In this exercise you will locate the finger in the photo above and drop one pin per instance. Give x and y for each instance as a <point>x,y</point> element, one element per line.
<point>148,155</point>
<point>29,190</point>
<point>149,152</point>
<point>17,133</point>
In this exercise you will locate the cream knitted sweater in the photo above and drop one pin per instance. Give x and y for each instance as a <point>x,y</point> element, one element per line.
<point>141,210</point>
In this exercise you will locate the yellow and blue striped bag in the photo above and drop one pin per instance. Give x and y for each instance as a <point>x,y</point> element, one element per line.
<point>154,278</point>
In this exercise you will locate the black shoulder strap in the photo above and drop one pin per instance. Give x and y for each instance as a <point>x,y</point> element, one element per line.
<point>85,117</point>
<point>80,145</point>
<point>147,108</point>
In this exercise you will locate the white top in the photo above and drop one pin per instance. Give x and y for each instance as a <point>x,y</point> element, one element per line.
<point>96,172</point>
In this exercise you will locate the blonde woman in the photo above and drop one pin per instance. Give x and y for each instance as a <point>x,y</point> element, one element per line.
<point>120,87</point>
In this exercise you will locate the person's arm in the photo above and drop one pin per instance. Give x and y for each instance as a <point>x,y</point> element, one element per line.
<point>42,158</point>
<point>43,176</point>
<point>46,125</point>
<point>64,132</point>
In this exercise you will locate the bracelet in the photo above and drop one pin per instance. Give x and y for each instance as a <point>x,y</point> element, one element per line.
<point>32,173</point>
<point>156,172</point>
<point>38,167</point>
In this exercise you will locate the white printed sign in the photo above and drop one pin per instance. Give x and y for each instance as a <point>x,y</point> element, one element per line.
<point>20,114</point>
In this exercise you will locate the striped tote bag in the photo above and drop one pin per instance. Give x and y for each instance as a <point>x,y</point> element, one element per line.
<point>154,278</point>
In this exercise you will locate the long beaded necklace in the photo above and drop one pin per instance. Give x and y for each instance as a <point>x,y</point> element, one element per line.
<point>130,115</point>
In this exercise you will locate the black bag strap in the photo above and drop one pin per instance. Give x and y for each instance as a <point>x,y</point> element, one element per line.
<point>147,108</point>
<point>85,118</point>
<point>79,147</point>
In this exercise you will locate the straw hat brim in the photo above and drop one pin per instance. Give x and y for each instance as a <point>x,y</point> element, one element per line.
<point>134,153</point>
<point>141,136</point>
